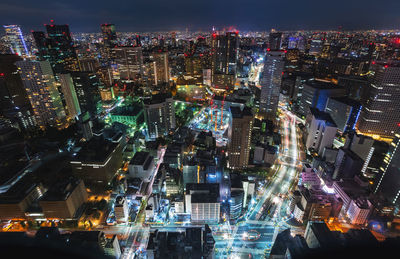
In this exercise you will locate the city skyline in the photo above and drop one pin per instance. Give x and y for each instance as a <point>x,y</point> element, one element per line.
<point>245,15</point>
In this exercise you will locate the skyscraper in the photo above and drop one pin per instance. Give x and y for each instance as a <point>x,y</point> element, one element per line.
<point>128,62</point>
<point>57,48</point>
<point>40,84</point>
<point>161,68</point>
<point>271,82</point>
<point>16,40</point>
<point>159,113</point>
<point>389,182</point>
<point>71,99</point>
<point>224,50</point>
<point>87,87</point>
<point>275,40</point>
<point>109,35</point>
<point>240,137</point>
<point>14,102</point>
<point>380,113</point>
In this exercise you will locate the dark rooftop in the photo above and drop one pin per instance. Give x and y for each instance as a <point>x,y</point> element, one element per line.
<point>320,115</point>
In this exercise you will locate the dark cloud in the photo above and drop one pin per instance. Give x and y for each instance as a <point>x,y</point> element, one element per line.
<point>144,15</point>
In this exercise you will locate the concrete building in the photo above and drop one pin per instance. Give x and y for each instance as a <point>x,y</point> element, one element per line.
<point>121,209</point>
<point>128,62</point>
<point>271,82</point>
<point>159,113</point>
<point>41,88</point>
<point>202,202</point>
<point>321,130</point>
<point>63,199</point>
<point>344,112</point>
<point>98,161</point>
<point>142,166</point>
<point>239,135</point>
<point>359,211</point>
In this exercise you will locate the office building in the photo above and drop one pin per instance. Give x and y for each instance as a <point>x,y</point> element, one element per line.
<point>121,209</point>
<point>14,101</point>
<point>159,114</point>
<point>359,211</point>
<point>58,48</point>
<point>160,68</point>
<point>128,63</point>
<point>109,35</point>
<point>380,116</point>
<point>63,199</point>
<point>87,87</point>
<point>389,179</point>
<point>347,164</point>
<point>192,242</point>
<point>271,82</point>
<point>142,166</point>
<point>344,112</point>
<point>315,94</point>
<point>239,134</point>
<point>68,89</point>
<point>97,162</point>
<point>275,40</point>
<point>16,41</point>
<point>16,200</point>
<point>321,130</point>
<point>236,204</point>
<point>224,51</point>
<point>41,87</point>
<point>202,202</point>
<point>371,151</point>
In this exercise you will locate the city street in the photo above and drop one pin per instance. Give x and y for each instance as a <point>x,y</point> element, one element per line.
<point>231,241</point>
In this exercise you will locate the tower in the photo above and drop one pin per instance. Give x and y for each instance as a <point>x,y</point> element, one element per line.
<point>240,137</point>
<point>109,35</point>
<point>380,113</point>
<point>271,82</point>
<point>224,50</point>
<point>40,84</point>
<point>16,40</point>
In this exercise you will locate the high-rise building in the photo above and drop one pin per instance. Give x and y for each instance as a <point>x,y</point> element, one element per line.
<point>128,62</point>
<point>68,90</point>
<point>16,40</point>
<point>224,50</point>
<point>344,111</point>
<point>14,101</point>
<point>271,82</point>
<point>161,68</point>
<point>315,94</point>
<point>42,45</point>
<point>240,137</point>
<point>389,182</point>
<point>380,113</point>
<point>41,87</point>
<point>109,35</point>
<point>321,130</point>
<point>275,40</point>
<point>58,48</point>
<point>87,87</point>
<point>159,113</point>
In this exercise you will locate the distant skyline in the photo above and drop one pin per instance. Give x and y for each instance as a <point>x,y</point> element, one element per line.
<point>161,15</point>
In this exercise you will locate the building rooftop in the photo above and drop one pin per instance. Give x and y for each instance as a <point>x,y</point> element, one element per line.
<point>97,149</point>
<point>320,115</point>
<point>61,190</point>
<point>18,191</point>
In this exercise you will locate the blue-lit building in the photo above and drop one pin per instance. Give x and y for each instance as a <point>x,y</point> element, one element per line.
<point>316,93</point>
<point>344,111</point>
<point>236,204</point>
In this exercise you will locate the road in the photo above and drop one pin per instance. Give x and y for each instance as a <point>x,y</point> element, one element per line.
<point>231,241</point>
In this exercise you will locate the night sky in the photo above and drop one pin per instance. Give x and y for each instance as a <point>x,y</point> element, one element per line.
<point>153,15</point>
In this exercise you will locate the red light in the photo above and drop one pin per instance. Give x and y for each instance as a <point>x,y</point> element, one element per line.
<point>1,74</point>
<point>51,20</point>
<point>373,62</point>
<point>386,66</point>
<point>214,35</point>
<point>398,124</point>
<point>285,51</point>
<point>268,49</point>
<point>283,73</point>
